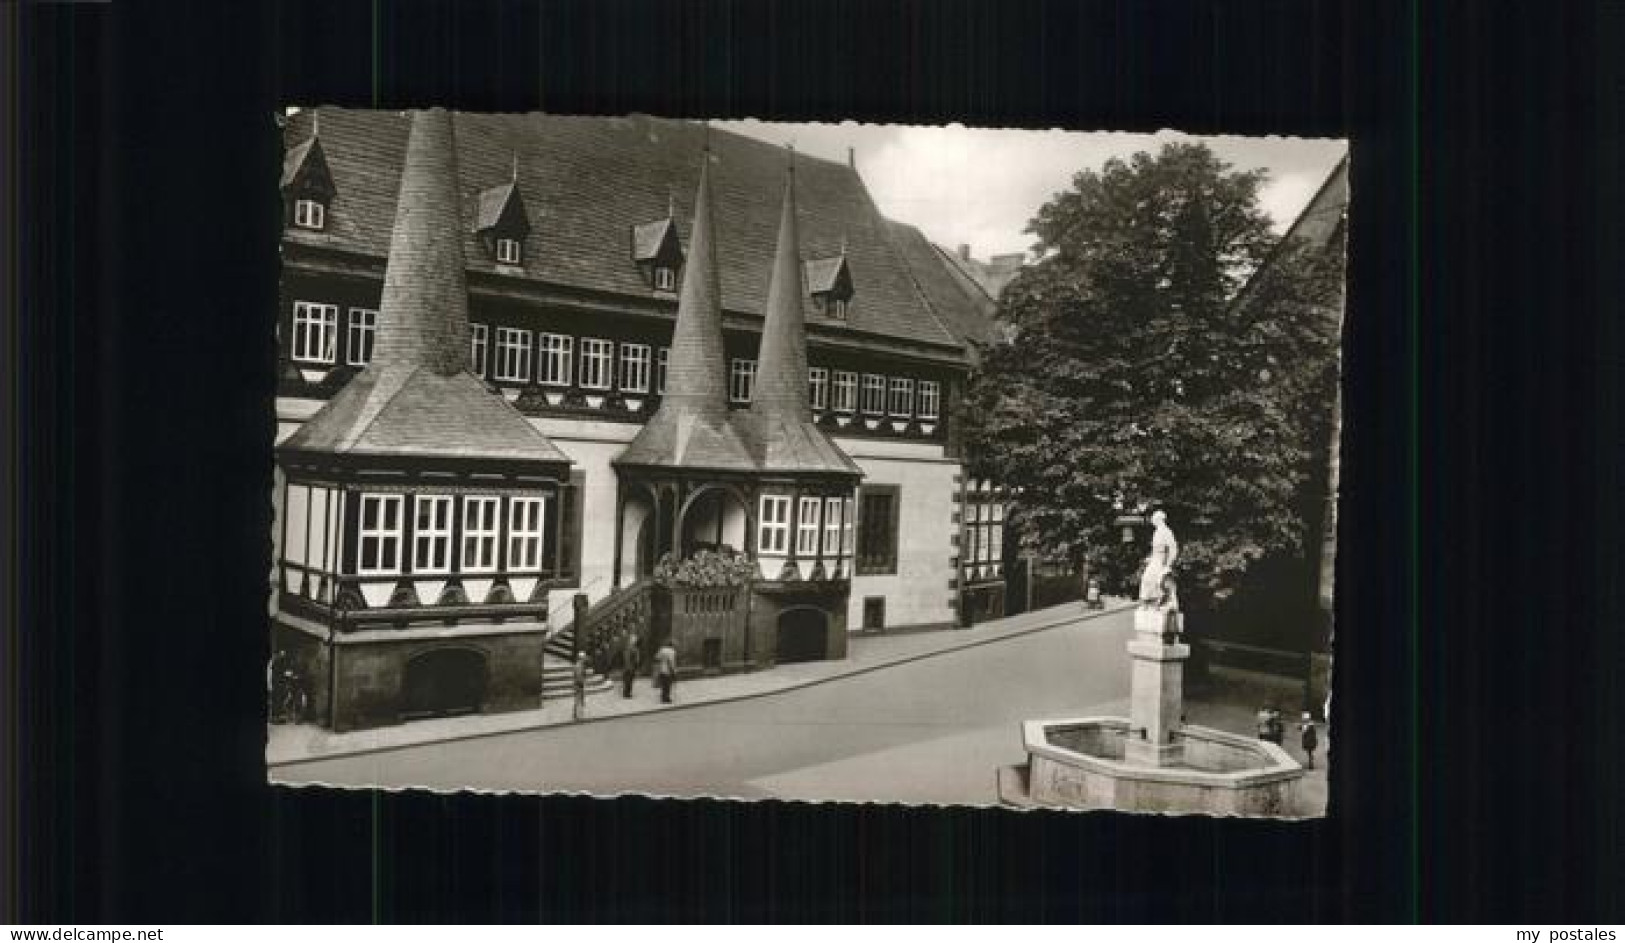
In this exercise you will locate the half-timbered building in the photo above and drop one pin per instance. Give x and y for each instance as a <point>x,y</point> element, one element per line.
<point>598,343</point>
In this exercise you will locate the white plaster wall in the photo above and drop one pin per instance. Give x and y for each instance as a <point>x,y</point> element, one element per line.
<point>918,593</point>
<point>591,446</point>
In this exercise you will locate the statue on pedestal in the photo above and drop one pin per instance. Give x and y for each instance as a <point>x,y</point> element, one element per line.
<point>1156,583</point>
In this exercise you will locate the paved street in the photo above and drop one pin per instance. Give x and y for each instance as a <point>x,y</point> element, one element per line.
<point>931,730</point>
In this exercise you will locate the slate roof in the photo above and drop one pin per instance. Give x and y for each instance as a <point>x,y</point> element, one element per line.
<point>778,426</point>
<point>306,160</point>
<point>955,299</point>
<point>417,396</point>
<point>649,238</point>
<point>693,427</point>
<point>823,274</point>
<point>497,202</point>
<point>587,181</point>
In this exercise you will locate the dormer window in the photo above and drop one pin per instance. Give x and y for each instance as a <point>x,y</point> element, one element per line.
<point>829,281</point>
<point>501,222</point>
<point>658,253</point>
<point>309,214</point>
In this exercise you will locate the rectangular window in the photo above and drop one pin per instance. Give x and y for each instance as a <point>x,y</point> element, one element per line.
<point>997,533</point>
<point>380,533</point>
<point>315,331</point>
<point>513,354</point>
<point>363,327</point>
<point>877,529</point>
<point>807,527</point>
<point>874,394</point>
<point>832,527</point>
<point>741,380</point>
<point>930,399</point>
<point>665,279</point>
<point>635,368</point>
<point>660,370</point>
<point>902,397</point>
<point>309,214</point>
<point>478,337</point>
<point>431,534</point>
<point>480,530</point>
<point>555,358</point>
<point>848,517</point>
<point>525,519</point>
<point>597,363</point>
<point>774,534</point>
<point>508,251</point>
<point>846,391</point>
<point>818,387</point>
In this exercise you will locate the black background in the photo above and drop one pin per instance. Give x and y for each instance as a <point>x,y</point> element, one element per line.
<point>1477,716</point>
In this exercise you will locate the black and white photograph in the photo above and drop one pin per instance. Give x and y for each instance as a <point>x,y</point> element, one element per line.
<point>823,462</point>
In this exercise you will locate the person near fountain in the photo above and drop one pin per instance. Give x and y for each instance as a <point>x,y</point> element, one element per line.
<point>1309,738</point>
<point>1154,587</point>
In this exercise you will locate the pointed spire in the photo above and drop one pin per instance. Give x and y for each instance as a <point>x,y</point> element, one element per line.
<point>515,177</point>
<point>695,372</point>
<point>671,204</point>
<point>316,122</point>
<point>781,375</point>
<point>423,318</point>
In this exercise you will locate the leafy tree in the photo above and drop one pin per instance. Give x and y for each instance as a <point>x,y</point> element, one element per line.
<point>1134,380</point>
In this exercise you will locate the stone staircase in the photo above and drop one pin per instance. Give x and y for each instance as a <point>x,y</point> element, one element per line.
<point>558,674</point>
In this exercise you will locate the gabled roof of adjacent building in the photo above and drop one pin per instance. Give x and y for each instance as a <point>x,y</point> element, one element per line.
<point>587,181</point>
<point>957,301</point>
<point>501,207</point>
<point>1317,226</point>
<point>417,397</point>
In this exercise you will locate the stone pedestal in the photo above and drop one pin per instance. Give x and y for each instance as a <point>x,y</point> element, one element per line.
<point>1158,688</point>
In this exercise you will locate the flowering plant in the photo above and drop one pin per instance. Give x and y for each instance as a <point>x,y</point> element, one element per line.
<point>705,569</point>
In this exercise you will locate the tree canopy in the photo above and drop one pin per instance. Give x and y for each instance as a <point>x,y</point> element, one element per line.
<point>1134,380</point>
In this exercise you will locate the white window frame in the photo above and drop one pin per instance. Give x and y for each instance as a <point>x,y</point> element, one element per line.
<point>807,525</point>
<point>832,527</point>
<point>930,399</point>
<point>846,391</point>
<point>479,339</point>
<point>433,536</point>
<point>362,331</point>
<point>773,526</point>
<point>818,387</point>
<point>995,535</point>
<point>874,395</point>
<point>665,278</point>
<point>597,363</point>
<point>513,350</point>
<point>902,394</point>
<point>662,364</point>
<point>741,380</point>
<point>309,214</point>
<point>837,309</point>
<point>556,359</point>
<point>507,250</point>
<point>635,364</point>
<point>848,522</point>
<point>315,332</point>
<point>383,540</point>
<point>527,518</point>
<point>478,553</point>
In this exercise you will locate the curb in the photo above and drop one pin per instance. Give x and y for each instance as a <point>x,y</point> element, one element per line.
<point>1088,616</point>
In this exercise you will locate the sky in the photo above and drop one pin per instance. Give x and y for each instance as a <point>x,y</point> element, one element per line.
<point>979,187</point>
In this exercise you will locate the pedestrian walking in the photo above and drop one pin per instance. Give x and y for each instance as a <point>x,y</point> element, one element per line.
<point>630,661</point>
<point>1309,737</point>
<point>578,680</point>
<point>665,670</point>
<point>1263,724</point>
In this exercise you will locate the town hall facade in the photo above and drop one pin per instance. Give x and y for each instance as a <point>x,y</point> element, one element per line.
<point>524,358</point>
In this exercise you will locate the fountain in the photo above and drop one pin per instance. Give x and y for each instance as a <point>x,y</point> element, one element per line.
<point>1151,761</point>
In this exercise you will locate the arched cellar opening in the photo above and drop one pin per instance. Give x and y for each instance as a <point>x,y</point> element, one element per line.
<point>443,682</point>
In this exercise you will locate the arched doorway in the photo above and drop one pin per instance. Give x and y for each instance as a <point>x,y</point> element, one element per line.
<point>803,635</point>
<point>442,682</point>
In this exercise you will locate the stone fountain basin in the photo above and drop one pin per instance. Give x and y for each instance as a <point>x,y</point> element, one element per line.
<point>1079,763</point>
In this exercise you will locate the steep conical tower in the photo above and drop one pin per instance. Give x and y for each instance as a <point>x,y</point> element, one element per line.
<point>783,437</point>
<point>692,428</point>
<point>417,395</point>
